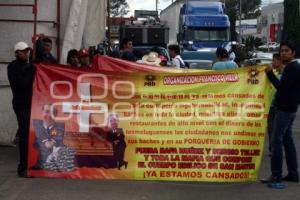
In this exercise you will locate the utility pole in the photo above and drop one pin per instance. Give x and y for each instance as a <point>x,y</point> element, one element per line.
<point>240,21</point>
<point>156,8</point>
<point>108,21</point>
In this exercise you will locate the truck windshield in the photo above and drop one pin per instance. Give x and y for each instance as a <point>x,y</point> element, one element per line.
<point>207,35</point>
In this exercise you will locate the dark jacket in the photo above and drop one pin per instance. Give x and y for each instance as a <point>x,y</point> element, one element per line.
<point>287,96</point>
<point>117,135</point>
<point>41,57</point>
<point>54,133</point>
<point>20,75</point>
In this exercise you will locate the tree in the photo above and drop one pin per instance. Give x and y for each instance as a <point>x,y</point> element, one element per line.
<point>291,27</point>
<point>232,14</point>
<point>250,10</point>
<point>118,8</point>
<point>252,43</point>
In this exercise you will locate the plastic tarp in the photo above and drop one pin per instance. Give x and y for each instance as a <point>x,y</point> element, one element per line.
<point>85,25</point>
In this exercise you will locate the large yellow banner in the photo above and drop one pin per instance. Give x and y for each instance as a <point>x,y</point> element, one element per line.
<point>199,126</point>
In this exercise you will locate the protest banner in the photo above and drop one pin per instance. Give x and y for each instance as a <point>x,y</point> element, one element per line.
<point>197,126</point>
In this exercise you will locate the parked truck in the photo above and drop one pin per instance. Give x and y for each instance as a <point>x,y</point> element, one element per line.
<point>145,32</point>
<point>197,25</point>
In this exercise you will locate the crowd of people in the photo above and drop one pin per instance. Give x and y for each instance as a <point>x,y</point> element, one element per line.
<point>282,112</point>
<point>82,58</point>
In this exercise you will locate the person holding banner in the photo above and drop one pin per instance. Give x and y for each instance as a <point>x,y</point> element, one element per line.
<point>117,138</point>
<point>286,102</point>
<point>49,134</point>
<point>43,50</point>
<point>20,74</point>
<point>278,66</point>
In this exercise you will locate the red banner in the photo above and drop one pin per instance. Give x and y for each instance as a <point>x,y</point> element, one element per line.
<point>122,120</point>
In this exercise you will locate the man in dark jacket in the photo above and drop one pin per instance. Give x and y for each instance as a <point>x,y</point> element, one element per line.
<point>43,50</point>
<point>117,138</point>
<point>49,134</point>
<point>286,103</point>
<point>20,75</point>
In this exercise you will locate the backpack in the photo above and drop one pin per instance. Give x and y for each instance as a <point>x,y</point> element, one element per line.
<point>183,64</point>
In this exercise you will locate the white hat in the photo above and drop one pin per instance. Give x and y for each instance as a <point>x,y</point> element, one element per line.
<point>151,59</point>
<point>20,46</point>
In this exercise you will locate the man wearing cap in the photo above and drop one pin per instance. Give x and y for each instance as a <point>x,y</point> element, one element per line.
<point>20,75</point>
<point>84,58</point>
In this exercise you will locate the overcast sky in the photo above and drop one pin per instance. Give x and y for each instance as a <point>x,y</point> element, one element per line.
<point>150,4</point>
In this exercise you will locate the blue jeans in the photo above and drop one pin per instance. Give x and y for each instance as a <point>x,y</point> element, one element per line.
<point>282,136</point>
<point>271,118</point>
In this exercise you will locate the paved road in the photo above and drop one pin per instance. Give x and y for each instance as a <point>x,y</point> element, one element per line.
<point>14,188</point>
<point>8,123</point>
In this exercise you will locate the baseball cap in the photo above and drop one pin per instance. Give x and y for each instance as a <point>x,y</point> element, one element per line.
<point>83,52</point>
<point>20,46</point>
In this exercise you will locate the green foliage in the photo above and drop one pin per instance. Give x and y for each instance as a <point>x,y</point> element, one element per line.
<point>252,43</point>
<point>232,14</point>
<point>240,54</point>
<point>250,10</point>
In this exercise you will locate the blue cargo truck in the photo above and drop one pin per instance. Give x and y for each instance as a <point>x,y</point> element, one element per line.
<point>198,25</point>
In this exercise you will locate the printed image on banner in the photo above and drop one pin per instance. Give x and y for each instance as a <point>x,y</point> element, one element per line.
<point>197,126</point>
